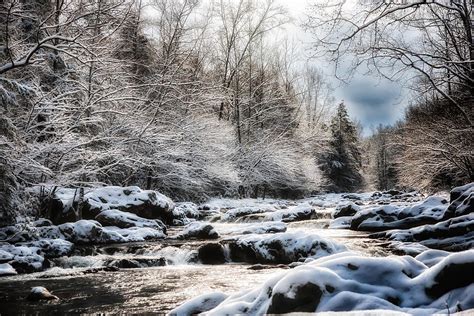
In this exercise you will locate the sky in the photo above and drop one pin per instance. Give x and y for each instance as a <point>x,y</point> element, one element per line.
<point>369,100</point>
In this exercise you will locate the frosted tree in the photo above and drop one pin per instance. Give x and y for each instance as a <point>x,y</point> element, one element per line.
<point>341,164</point>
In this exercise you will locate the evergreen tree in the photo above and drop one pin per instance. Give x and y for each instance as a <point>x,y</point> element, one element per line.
<point>341,163</point>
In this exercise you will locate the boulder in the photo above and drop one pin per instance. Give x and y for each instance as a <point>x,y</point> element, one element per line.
<point>211,254</point>
<point>450,276</point>
<point>63,206</point>
<point>144,203</point>
<point>280,247</point>
<point>304,298</point>
<point>38,293</point>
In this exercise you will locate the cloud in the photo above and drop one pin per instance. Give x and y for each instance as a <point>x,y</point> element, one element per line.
<point>373,102</point>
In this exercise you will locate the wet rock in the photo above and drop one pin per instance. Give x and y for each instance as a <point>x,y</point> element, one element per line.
<point>198,230</point>
<point>266,266</point>
<point>211,254</point>
<point>136,262</point>
<point>38,293</point>
<point>102,269</point>
<point>346,210</point>
<point>304,298</point>
<point>126,220</point>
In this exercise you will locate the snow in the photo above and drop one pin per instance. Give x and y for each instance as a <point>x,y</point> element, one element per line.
<point>281,247</point>
<point>125,220</point>
<point>112,196</point>
<point>351,282</point>
<point>199,304</point>
<point>6,269</point>
<point>198,230</point>
<point>51,248</point>
<point>132,234</point>
<point>250,228</point>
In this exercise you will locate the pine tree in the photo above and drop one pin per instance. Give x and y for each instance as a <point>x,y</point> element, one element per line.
<point>341,163</point>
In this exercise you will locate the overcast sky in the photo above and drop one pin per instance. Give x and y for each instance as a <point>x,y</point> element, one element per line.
<point>369,100</point>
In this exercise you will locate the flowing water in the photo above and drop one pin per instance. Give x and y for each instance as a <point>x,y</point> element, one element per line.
<point>152,289</point>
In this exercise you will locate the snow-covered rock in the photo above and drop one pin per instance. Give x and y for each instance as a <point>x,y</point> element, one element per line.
<point>281,247</point>
<point>349,209</point>
<point>51,248</point>
<point>199,304</point>
<point>198,230</point>
<point>233,214</point>
<point>185,212</point>
<point>386,217</point>
<point>40,293</point>
<point>453,234</point>
<point>250,228</point>
<point>462,201</point>
<point>300,212</point>
<point>6,270</point>
<point>454,230</point>
<point>25,259</point>
<point>350,282</point>
<point>113,234</point>
<point>144,203</point>
<point>82,232</point>
<point>126,220</point>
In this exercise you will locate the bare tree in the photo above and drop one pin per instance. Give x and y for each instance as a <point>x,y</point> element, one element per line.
<point>432,40</point>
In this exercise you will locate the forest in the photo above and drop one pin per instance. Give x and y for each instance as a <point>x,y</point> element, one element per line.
<point>213,111</point>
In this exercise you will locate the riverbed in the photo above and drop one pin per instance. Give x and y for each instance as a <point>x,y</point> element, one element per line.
<point>152,289</point>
